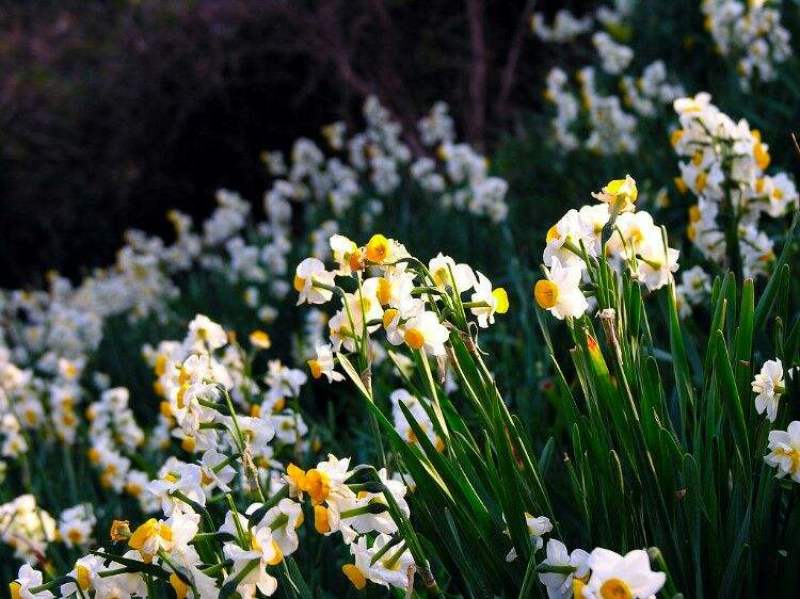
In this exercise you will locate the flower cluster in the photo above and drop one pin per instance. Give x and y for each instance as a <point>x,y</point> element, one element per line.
<point>725,168</point>
<point>375,162</point>
<point>610,230</point>
<point>587,118</point>
<point>750,34</point>
<point>416,305</point>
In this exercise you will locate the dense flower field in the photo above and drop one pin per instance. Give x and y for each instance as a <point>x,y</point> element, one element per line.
<point>395,377</point>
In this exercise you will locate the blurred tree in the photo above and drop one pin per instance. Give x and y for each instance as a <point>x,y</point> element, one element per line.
<point>111,112</point>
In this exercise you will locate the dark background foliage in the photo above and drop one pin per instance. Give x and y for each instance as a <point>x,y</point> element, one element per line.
<point>112,112</point>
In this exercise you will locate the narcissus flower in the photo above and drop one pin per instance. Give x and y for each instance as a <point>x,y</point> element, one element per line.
<point>495,300</point>
<point>308,272</point>
<point>622,577</point>
<point>441,268</point>
<point>28,578</point>
<point>784,452</point>
<point>769,385</point>
<point>324,364</point>
<point>425,333</point>
<point>619,194</point>
<point>560,584</point>
<point>560,292</point>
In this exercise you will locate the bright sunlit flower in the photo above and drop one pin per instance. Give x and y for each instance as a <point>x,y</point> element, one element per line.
<point>424,332</point>
<point>495,300</point>
<point>309,272</point>
<point>323,364</point>
<point>784,451</point>
<point>619,194</point>
<point>625,577</point>
<point>560,292</point>
<point>769,386</point>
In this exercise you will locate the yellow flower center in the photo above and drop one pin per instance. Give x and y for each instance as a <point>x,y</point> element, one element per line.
<point>277,556</point>
<point>384,291</point>
<point>321,521</point>
<point>614,588</point>
<point>377,248</point>
<point>188,444</point>
<point>161,364</point>
<point>389,316</point>
<point>546,293</point>
<point>299,283</point>
<point>318,485</point>
<point>355,576</point>
<point>181,588</point>
<point>315,368</point>
<point>794,455</point>
<point>414,338</point>
<point>83,576</point>
<point>675,137</point>
<point>14,588</point>
<point>700,181</point>
<point>500,300</point>
<point>552,234</point>
<point>75,535</point>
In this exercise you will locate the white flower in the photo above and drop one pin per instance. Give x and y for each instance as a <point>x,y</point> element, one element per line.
<point>440,268</point>
<point>264,551</point>
<point>324,364</point>
<point>559,585</point>
<point>308,272</point>
<point>214,474</point>
<point>564,240</point>
<point>204,332</point>
<point>769,386</point>
<point>616,576</point>
<point>784,452</point>
<point>496,300</point>
<point>424,332</point>
<point>28,578</point>
<point>560,292</point>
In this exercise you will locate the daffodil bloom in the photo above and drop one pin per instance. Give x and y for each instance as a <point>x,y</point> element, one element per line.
<point>76,524</point>
<point>560,292</point>
<point>216,471</point>
<point>28,578</point>
<point>346,254</point>
<point>784,451</point>
<point>283,520</point>
<point>85,574</point>
<point>425,333</point>
<point>418,412</point>
<point>378,249</point>
<point>559,584</point>
<point>622,577</point>
<point>393,569</point>
<point>619,194</point>
<point>151,536</point>
<point>441,267</point>
<point>177,477</point>
<point>309,272</point>
<point>656,265</point>
<point>324,364</point>
<point>567,236</point>
<point>495,300</point>
<point>263,551</point>
<point>769,386</point>
<point>203,332</point>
